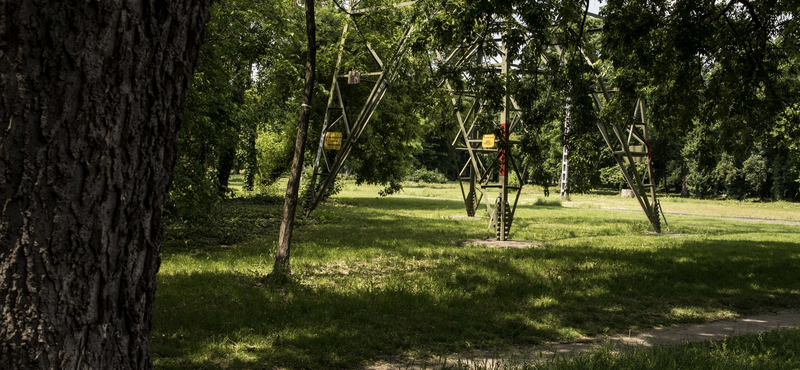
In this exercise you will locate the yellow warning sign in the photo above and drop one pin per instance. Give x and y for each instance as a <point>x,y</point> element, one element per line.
<point>488,141</point>
<point>333,141</point>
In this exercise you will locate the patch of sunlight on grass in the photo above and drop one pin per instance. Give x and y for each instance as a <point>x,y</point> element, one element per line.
<point>730,291</point>
<point>569,333</point>
<point>774,350</point>
<point>542,302</point>
<point>693,313</point>
<point>614,308</point>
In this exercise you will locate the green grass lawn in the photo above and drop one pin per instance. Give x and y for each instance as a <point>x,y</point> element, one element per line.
<point>769,351</point>
<point>778,350</point>
<point>380,278</point>
<point>784,211</point>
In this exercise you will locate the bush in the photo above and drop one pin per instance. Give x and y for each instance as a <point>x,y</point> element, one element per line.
<point>755,173</point>
<point>424,175</point>
<point>513,180</point>
<point>275,151</point>
<point>612,177</point>
<point>306,193</point>
<point>729,176</point>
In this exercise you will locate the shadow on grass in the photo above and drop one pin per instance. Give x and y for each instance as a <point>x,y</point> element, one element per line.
<point>482,301</point>
<point>409,203</point>
<point>435,298</point>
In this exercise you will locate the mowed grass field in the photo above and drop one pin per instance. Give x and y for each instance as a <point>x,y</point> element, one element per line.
<point>387,278</point>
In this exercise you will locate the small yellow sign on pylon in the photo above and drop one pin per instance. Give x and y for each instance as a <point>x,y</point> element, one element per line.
<point>333,141</point>
<point>488,141</point>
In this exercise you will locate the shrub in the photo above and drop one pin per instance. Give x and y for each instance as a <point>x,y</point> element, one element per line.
<point>424,175</point>
<point>756,172</point>
<point>612,176</point>
<point>729,176</point>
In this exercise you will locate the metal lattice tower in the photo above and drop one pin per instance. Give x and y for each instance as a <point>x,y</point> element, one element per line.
<point>490,156</point>
<point>491,159</point>
<point>630,145</point>
<point>564,180</point>
<point>336,118</point>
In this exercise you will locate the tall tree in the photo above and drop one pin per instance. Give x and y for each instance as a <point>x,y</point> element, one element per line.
<point>92,98</point>
<point>292,189</point>
<point>232,96</point>
<point>720,74</point>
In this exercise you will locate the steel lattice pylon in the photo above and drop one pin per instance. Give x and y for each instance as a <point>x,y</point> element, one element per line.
<point>564,179</point>
<point>484,159</point>
<point>630,145</point>
<point>336,112</point>
<point>628,142</point>
<point>487,165</point>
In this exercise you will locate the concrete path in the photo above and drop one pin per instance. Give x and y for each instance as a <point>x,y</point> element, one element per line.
<point>716,330</point>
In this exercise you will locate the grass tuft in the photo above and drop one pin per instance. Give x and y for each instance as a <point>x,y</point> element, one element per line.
<point>548,202</point>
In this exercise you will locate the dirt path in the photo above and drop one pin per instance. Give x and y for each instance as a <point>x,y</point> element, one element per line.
<point>739,218</point>
<point>732,218</point>
<point>716,330</point>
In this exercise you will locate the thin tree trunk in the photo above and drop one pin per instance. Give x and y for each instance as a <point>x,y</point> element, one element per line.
<point>685,187</point>
<point>251,162</point>
<point>91,96</point>
<point>290,204</point>
<point>224,167</point>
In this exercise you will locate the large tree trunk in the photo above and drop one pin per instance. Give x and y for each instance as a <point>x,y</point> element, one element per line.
<point>290,204</point>
<point>92,96</point>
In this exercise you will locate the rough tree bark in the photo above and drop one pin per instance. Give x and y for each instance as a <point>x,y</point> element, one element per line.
<point>91,98</point>
<point>290,204</point>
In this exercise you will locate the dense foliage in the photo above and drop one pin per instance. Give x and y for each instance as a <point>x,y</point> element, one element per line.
<point>722,81</point>
<point>720,78</point>
<point>228,103</point>
<point>245,96</point>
